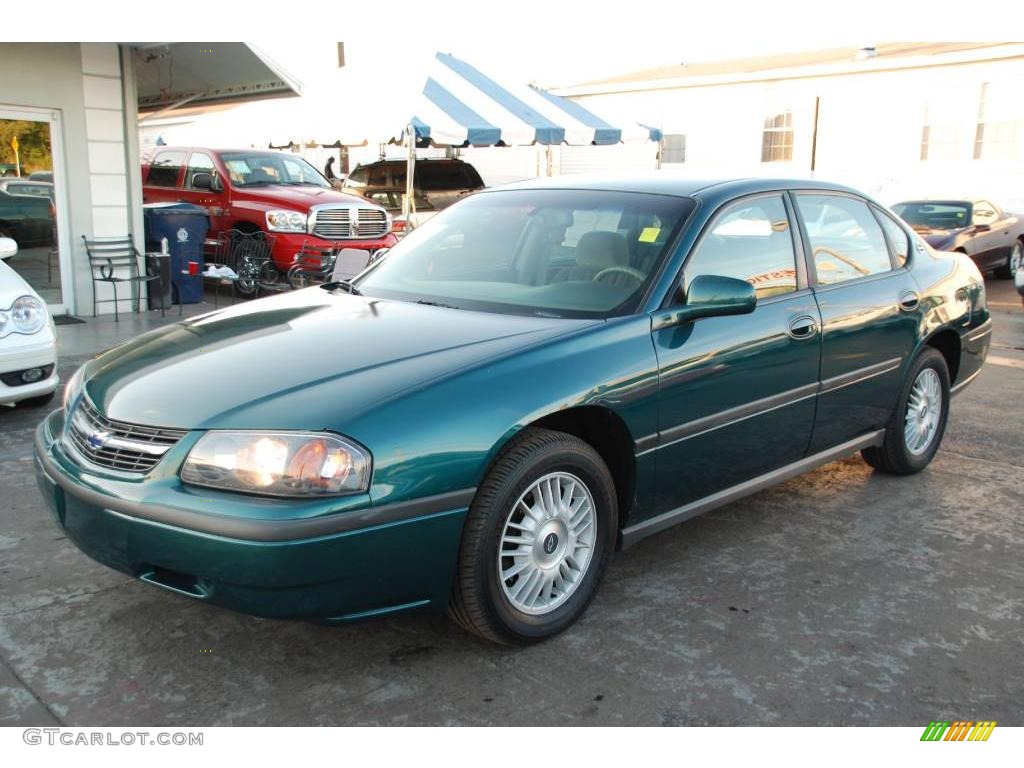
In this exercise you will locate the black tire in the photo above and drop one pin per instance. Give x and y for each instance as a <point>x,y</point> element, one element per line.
<point>298,278</point>
<point>893,456</point>
<point>478,602</point>
<point>37,402</point>
<point>1006,272</point>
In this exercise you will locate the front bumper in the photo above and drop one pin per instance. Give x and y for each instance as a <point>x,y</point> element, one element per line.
<point>340,567</point>
<point>288,245</point>
<point>28,356</point>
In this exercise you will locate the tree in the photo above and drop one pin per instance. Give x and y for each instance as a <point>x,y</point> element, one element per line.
<point>33,144</point>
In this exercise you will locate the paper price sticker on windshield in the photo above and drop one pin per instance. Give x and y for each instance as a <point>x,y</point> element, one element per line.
<point>649,234</point>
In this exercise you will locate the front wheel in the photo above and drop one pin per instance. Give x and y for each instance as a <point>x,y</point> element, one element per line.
<point>537,539</point>
<point>1013,263</point>
<point>916,428</point>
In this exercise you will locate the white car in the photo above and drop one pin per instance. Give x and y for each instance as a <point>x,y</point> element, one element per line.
<point>28,339</point>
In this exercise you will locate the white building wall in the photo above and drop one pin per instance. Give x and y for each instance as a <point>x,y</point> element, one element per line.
<point>81,85</point>
<point>869,128</point>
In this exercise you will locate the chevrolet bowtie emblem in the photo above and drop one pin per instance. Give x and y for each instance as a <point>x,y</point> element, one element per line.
<point>97,440</point>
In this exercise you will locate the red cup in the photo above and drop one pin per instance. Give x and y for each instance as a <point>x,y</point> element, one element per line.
<point>193,267</point>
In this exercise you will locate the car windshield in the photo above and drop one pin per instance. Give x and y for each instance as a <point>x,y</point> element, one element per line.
<point>255,169</point>
<point>561,253</point>
<point>929,215</point>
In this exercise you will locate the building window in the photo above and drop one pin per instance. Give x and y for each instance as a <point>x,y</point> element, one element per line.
<point>942,142</point>
<point>777,138</point>
<point>996,134</point>
<point>673,148</point>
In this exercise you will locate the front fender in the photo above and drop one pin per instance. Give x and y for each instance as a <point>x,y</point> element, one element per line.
<point>443,436</point>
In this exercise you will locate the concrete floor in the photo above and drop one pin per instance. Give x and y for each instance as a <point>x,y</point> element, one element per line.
<point>839,598</point>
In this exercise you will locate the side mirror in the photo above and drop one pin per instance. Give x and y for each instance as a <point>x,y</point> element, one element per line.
<point>982,227</point>
<point>8,248</point>
<point>202,181</point>
<point>710,296</point>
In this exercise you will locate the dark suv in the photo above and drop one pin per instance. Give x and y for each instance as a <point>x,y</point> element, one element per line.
<point>438,184</point>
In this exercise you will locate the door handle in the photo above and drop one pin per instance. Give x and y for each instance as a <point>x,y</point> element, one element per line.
<point>909,301</point>
<point>803,328</point>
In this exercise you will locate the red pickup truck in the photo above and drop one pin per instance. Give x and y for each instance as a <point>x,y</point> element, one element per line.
<point>253,190</point>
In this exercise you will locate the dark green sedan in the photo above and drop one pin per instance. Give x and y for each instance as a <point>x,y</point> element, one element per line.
<point>538,376</point>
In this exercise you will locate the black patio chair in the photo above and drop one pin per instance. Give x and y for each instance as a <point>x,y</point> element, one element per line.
<point>248,255</point>
<point>115,260</point>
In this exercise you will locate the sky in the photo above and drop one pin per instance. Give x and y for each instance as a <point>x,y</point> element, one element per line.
<point>550,44</point>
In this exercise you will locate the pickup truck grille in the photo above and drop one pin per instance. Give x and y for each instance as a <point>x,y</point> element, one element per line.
<point>117,445</point>
<point>350,223</point>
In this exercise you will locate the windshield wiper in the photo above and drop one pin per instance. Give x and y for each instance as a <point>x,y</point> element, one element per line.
<point>334,285</point>
<point>436,304</point>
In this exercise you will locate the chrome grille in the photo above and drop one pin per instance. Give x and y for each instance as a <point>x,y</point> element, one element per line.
<point>350,223</point>
<point>117,445</point>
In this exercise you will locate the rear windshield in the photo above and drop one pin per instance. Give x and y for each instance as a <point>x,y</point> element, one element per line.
<point>443,177</point>
<point>926,215</point>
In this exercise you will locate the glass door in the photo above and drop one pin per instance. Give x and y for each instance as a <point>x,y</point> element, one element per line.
<point>32,208</point>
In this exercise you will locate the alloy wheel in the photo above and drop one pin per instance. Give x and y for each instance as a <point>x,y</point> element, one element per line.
<point>924,409</point>
<point>547,543</point>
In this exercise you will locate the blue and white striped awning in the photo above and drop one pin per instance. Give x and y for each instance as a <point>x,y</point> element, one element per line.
<point>460,105</point>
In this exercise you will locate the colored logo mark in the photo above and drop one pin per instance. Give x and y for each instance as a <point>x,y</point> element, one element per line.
<point>958,730</point>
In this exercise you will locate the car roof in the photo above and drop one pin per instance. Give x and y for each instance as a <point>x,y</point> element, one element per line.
<point>31,182</point>
<point>419,161</point>
<point>669,183</point>
<point>946,200</point>
<point>217,150</point>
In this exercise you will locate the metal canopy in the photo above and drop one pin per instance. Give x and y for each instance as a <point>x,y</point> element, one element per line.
<point>170,75</point>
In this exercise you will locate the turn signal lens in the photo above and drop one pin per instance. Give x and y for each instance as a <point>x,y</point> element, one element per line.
<point>278,463</point>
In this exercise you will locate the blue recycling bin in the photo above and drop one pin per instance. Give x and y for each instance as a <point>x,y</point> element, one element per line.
<point>185,227</point>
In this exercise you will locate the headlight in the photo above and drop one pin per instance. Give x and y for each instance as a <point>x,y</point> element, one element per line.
<point>286,221</point>
<point>27,315</point>
<point>74,386</point>
<point>278,463</point>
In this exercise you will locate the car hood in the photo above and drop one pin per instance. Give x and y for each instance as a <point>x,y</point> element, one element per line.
<point>304,360</point>
<point>300,195</point>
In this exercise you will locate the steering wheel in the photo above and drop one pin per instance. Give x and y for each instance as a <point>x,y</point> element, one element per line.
<point>636,274</point>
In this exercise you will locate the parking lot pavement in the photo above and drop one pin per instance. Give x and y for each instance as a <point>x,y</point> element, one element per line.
<point>840,598</point>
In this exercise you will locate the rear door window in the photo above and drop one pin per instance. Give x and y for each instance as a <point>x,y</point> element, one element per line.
<point>897,237</point>
<point>447,177</point>
<point>846,240</point>
<point>165,169</point>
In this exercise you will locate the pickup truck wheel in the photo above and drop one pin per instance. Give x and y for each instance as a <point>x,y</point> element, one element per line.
<point>537,540</point>
<point>919,420</point>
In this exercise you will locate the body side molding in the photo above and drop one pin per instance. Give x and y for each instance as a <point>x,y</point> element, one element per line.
<point>634,533</point>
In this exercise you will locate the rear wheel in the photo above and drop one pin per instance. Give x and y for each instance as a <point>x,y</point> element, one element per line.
<point>537,540</point>
<point>918,423</point>
<point>1013,263</point>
